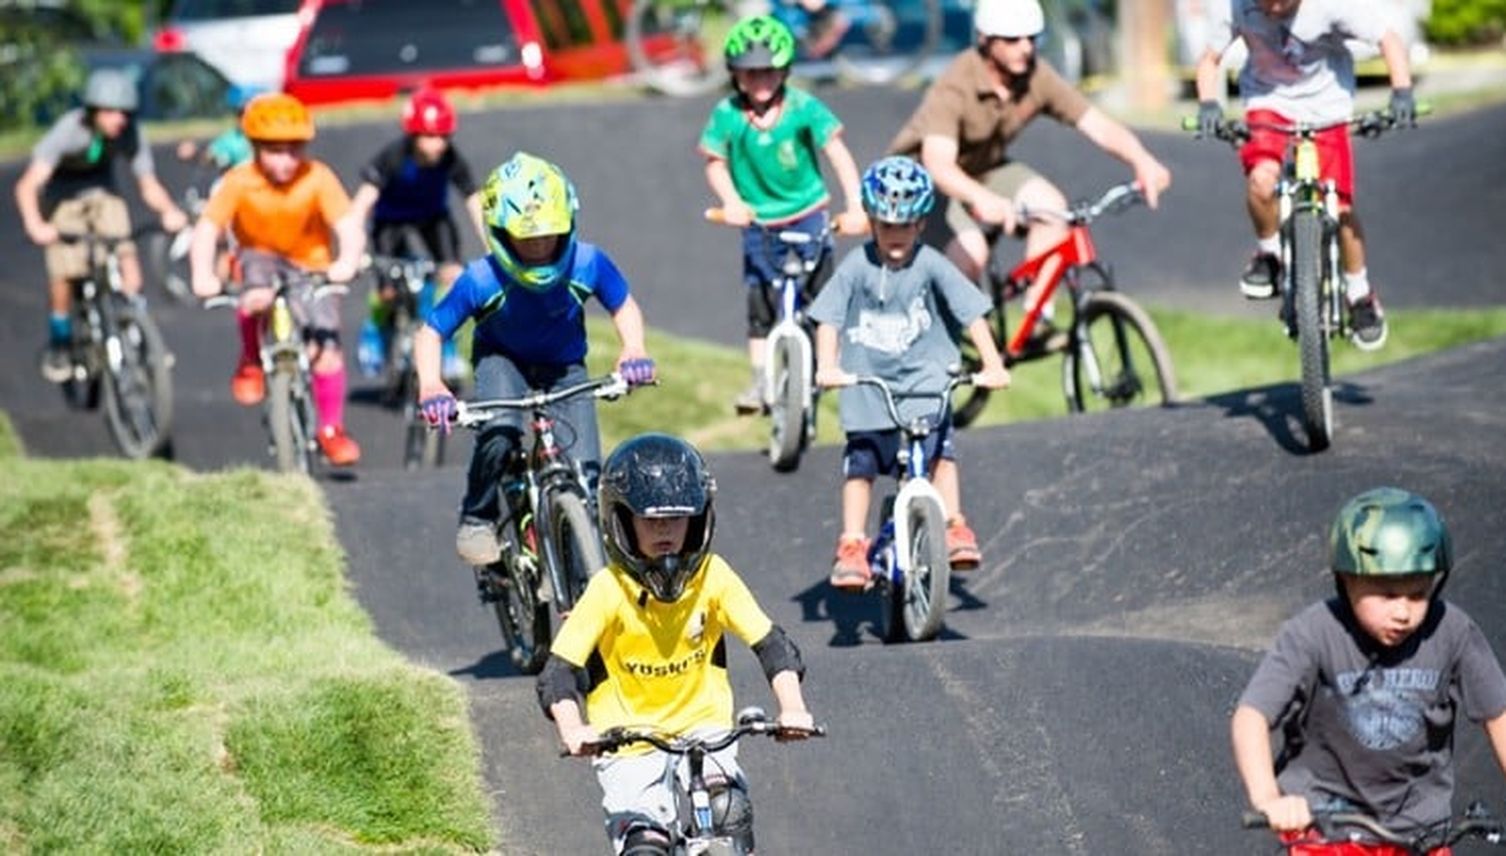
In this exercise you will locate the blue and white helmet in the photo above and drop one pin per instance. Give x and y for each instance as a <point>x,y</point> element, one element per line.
<point>897,189</point>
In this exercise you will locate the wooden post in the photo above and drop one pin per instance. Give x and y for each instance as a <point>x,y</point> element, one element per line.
<point>1145,32</point>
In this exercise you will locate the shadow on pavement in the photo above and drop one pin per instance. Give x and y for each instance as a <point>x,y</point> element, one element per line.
<point>1278,409</point>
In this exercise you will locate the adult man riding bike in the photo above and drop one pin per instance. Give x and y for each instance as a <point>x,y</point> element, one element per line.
<point>962,130</point>
<point>69,186</point>
<point>1299,69</point>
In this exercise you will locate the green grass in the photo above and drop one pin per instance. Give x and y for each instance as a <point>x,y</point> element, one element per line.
<point>185,671</point>
<point>1210,354</point>
<point>10,441</point>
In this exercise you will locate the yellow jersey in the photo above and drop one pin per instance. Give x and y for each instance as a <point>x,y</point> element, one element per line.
<point>664,664</point>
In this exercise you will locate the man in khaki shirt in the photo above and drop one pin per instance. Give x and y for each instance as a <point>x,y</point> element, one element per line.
<point>963,127</point>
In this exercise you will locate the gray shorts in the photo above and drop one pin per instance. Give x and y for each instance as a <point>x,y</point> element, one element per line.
<point>953,218</point>
<point>321,318</point>
<point>635,791</point>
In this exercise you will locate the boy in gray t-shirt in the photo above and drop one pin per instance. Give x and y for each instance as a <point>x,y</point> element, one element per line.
<point>896,308</point>
<point>1364,688</point>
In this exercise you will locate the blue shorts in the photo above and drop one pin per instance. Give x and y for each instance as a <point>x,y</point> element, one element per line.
<point>869,454</point>
<point>763,254</point>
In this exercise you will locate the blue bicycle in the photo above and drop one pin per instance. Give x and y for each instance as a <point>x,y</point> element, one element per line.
<point>909,557</point>
<point>676,45</point>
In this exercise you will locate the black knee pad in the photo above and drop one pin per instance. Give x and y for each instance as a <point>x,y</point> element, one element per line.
<point>732,813</point>
<point>646,841</point>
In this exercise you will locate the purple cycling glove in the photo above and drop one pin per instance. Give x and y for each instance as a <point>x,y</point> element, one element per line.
<point>439,411</point>
<point>637,371</point>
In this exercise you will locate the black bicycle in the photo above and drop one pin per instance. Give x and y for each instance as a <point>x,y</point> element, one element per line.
<point>118,354</point>
<point>1312,295</point>
<point>698,830</point>
<point>407,278</point>
<point>1337,826</point>
<point>288,410</point>
<point>550,542</point>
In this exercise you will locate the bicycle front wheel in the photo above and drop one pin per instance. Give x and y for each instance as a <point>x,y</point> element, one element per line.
<point>676,45</point>
<point>573,545</point>
<point>1312,334</point>
<point>139,386</point>
<point>1119,359</point>
<point>522,615</point>
<point>286,424</point>
<point>787,418</point>
<point>884,41</point>
<point>928,576</point>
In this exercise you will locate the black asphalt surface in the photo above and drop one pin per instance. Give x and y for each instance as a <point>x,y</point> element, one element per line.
<point>1136,564</point>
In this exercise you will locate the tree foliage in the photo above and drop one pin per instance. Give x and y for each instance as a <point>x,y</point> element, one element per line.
<point>1467,22</point>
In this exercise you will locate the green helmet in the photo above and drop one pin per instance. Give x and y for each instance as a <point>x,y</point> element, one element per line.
<point>1388,531</point>
<point>760,41</point>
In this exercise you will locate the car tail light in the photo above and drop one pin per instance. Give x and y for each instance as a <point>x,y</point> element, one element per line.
<point>169,40</point>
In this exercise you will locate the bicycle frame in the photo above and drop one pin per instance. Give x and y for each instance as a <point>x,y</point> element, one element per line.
<point>1301,189</point>
<point>795,274</point>
<point>891,549</point>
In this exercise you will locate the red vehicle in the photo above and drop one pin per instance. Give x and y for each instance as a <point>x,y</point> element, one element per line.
<point>376,49</point>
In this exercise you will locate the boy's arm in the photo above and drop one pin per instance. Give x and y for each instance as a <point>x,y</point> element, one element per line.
<point>159,200</point>
<point>828,370</point>
<point>993,374</point>
<point>735,211</point>
<point>792,711</point>
<point>628,321</point>
<point>573,731</point>
<point>851,221</point>
<point>478,218</point>
<point>202,250</point>
<point>350,231</point>
<point>1394,52</point>
<point>1251,736</point>
<point>366,197</point>
<point>1495,731</point>
<point>28,189</point>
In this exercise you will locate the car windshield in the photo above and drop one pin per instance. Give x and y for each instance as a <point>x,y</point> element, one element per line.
<point>362,37</point>
<point>207,10</point>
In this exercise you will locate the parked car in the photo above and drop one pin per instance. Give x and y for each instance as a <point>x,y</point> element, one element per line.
<point>375,49</point>
<point>247,40</point>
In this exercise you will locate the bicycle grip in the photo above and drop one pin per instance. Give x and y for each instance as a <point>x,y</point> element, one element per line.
<point>1254,820</point>
<point>1189,123</point>
<point>716,215</point>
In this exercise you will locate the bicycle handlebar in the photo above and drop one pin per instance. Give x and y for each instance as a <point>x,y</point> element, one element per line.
<point>891,397</point>
<point>1476,822</point>
<point>322,288</point>
<point>473,414</point>
<point>1371,124</point>
<point>616,738</point>
<point>1115,199</point>
<point>412,270</point>
<point>789,236</point>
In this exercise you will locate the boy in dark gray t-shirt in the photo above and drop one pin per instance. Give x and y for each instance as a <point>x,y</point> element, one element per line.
<point>1364,688</point>
<point>892,310</point>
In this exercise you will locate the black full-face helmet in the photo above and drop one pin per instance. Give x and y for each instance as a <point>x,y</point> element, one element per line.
<point>657,475</point>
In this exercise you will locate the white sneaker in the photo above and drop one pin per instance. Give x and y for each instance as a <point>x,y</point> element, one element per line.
<point>476,542</point>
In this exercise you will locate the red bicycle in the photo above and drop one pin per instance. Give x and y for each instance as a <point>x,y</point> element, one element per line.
<point>1112,354</point>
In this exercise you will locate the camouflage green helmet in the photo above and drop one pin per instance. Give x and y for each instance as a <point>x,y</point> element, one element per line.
<point>760,41</point>
<point>1388,531</point>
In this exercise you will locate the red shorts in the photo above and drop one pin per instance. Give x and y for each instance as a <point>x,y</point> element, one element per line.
<point>1309,844</point>
<point>1335,150</point>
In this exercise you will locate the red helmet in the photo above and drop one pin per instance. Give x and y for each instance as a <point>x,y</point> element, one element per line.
<point>429,112</point>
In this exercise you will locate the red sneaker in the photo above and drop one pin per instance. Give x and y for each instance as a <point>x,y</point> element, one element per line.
<point>249,385</point>
<point>962,545</point>
<point>338,446</point>
<point>851,571</point>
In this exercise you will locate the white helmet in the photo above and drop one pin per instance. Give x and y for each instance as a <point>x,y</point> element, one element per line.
<point>1009,18</point>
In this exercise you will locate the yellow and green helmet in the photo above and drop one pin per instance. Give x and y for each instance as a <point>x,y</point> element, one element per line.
<point>529,197</point>
<point>1388,531</point>
<point>759,41</point>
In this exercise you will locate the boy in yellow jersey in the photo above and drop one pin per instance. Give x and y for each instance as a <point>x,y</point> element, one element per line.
<point>287,212</point>
<point>645,643</point>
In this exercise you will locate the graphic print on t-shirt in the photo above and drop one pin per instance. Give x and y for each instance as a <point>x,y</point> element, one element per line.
<point>1384,708</point>
<point>891,332</point>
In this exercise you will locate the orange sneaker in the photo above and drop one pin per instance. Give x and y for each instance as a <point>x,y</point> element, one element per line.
<point>249,385</point>
<point>338,446</point>
<point>851,572</point>
<point>962,545</point>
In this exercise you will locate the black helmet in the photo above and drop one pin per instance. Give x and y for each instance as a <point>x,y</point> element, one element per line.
<point>656,475</point>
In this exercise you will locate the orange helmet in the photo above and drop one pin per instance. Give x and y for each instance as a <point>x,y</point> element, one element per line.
<point>276,117</point>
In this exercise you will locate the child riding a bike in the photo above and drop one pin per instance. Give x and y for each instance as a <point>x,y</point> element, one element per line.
<point>1364,687</point>
<point>230,147</point>
<point>405,189</point>
<point>962,130</point>
<point>761,145</point>
<point>527,297</point>
<point>891,310</point>
<point>1299,69</point>
<point>644,646</point>
<point>285,210</point>
<point>69,186</point>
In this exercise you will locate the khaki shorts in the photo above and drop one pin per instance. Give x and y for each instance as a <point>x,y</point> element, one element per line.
<point>103,211</point>
<point>1007,181</point>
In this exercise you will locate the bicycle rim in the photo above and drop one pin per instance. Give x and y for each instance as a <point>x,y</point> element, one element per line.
<point>676,45</point>
<point>1120,359</point>
<point>285,424</point>
<point>524,618</point>
<point>1312,337</point>
<point>787,416</point>
<point>929,573</point>
<point>888,40</point>
<point>139,395</point>
<point>576,545</point>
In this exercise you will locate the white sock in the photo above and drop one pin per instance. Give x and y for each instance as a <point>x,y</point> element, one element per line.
<point>1270,245</point>
<point>1357,285</point>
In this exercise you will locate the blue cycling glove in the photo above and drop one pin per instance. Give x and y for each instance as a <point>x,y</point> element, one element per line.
<point>439,411</point>
<point>637,371</point>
